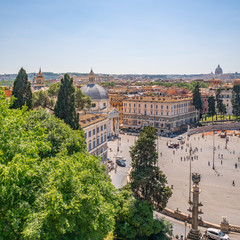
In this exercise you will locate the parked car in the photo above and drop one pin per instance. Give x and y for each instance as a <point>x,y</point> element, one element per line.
<point>217,234</point>
<point>180,137</point>
<point>120,163</point>
<point>121,158</point>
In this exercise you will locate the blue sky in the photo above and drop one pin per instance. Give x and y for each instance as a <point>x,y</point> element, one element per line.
<point>120,36</point>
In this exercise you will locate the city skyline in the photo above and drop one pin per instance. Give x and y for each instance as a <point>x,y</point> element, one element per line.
<point>127,37</point>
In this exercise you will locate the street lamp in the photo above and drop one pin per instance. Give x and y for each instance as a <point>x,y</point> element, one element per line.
<point>213,150</point>
<point>185,224</point>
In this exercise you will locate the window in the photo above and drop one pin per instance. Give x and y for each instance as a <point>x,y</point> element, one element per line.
<point>104,104</point>
<point>129,104</point>
<point>138,105</point>
<point>102,128</point>
<point>89,134</point>
<point>97,129</point>
<point>97,141</point>
<point>89,146</point>
<point>138,111</point>
<point>125,110</point>
<point>145,106</point>
<point>151,106</point>
<point>151,112</point>
<point>93,104</point>
<point>134,105</point>
<point>161,106</point>
<point>85,135</point>
<point>156,112</point>
<point>105,126</point>
<point>93,132</point>
<point>105,138</point>
<point>156,106</point>
<point>167,106</point>
<point>94,143</point>
<point>145,112</point>
<point>129,110</point>
<point>102,139</point>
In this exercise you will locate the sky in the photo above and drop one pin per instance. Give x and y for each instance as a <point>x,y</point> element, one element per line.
<point>120,36</point>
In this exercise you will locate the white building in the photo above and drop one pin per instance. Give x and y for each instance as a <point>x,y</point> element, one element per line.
<point>101,122</point>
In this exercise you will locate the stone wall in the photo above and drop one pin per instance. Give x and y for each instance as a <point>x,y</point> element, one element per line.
<point>217,127</point>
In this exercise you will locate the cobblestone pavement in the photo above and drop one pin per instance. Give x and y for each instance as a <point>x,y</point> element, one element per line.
<point>219,197</point>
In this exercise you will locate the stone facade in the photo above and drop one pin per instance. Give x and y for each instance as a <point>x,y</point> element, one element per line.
<point>167,114</point>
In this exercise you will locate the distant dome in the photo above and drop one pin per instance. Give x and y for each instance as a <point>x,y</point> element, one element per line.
<point>95,92</point>
<point>218,70</point>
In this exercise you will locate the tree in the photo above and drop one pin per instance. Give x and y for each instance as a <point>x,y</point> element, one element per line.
<point>211,106</point>
<point>147,181</point>
<point>222,108</point>
<point>22,91</point>
<point>54,89</point>
<point>65,105</point>
<point>83,102</point>
<point>50,187</point>
<point>197,102</point>
<point>41,98</point>
<point>236,100</point>
<point>134,220</point>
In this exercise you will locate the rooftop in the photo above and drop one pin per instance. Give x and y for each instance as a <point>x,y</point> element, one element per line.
<point>90,119</point>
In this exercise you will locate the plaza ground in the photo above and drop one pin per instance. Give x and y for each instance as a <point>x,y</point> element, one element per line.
<point>218,196</point>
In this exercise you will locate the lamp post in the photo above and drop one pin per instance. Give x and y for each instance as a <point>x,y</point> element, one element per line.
<point>185,224</point>
<point>213,167</point>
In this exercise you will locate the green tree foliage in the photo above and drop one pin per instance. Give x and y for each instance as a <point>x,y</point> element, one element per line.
<point>135,220</point>
<point>197,101</point>
<point>22,91</point>
<point>42,98</point>
<point>190,86</point>
<point>211,106</point>
<point>220,106</point>
<point>50,187</point>
<point>54,89</point>
<point>65,105</point>
<point>147,181</point>
<point>236,100</point>
<point>83,102</point>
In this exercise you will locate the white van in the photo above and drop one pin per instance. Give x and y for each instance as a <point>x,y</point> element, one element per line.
<point>121,158</point>
<point>217,234</point>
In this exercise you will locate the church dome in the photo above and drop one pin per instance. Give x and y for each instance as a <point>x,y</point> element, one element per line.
<point>95,92</point>
<point>218,70</point>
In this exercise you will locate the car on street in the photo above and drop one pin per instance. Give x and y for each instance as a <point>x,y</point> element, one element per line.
<point>120,163</point>
<point>213,233</point>
<point>121,158</point>
<point>180,137</point>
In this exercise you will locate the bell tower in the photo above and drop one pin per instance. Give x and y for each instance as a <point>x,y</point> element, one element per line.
<point>91,76</point>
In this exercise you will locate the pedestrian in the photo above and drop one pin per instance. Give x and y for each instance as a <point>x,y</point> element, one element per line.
<point>235,165</point>
<point>172,187</point>
<point>233,151</point>
<point>233,183</point>
<point>221,162</point>
<point>208,163</point>
<point>181,158</point>
<point>184,159</point>
<point>219,155</point>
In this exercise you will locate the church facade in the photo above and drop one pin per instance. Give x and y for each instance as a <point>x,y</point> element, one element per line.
<point>101,122</point>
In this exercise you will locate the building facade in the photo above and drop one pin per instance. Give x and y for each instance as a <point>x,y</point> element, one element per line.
<point>167,114</point>
<point>38,81</point>
<point>95,132</point>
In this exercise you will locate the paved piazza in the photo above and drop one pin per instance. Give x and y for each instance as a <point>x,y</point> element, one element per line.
<point>219,196</point>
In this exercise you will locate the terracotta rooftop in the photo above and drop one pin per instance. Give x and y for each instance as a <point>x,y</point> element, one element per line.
<point>89,119</point>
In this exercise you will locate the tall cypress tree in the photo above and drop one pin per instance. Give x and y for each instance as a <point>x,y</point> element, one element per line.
<point>211,106</point>
<point>65,105</point>
<point>236,100</point>
<point>148,182</point>
<point>197,102</point>
<point>22,91</point>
